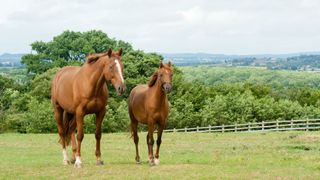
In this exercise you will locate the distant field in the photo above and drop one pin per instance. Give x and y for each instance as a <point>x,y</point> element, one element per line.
<point>271,155</point>
<point>19,75</point>
<point>212,75</point>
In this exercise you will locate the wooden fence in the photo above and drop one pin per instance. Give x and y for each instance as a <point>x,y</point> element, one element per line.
<point>281,125</point>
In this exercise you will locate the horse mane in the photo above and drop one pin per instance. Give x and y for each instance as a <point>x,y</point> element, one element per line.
<point>153,79</point>
<point>92,58</point>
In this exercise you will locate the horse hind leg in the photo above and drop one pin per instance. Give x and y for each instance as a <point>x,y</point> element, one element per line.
<point>58,114</point>
<point>72,127</point>
<point>134,131</point>
<point>134,128</point>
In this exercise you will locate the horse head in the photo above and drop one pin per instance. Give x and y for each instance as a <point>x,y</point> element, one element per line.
<point>165,74</point>
<point>112,68</point>
<point>113,71</point>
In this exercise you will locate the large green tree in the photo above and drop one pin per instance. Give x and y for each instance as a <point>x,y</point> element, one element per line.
<point>69,48</point>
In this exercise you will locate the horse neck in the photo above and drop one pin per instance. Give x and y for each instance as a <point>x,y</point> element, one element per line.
<point>157,92</point>
<point>96,78</point>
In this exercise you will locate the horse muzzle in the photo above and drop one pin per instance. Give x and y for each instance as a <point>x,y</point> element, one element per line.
<point>167,87</point>
<point>121,89</point>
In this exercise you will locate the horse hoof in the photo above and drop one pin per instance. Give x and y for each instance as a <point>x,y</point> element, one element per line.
<point>77,165</point>
<point>72,161</point>
<point>138,162</point>
<point>66,162</point>
<point>99,163</point>
<point>78,162</point>
<point>151,162</point>
<point>156,161</point>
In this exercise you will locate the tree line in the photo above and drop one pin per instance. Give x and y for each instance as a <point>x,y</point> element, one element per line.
<point>201,95</point>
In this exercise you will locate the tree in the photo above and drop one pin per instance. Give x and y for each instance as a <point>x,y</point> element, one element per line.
<point>69,48</point>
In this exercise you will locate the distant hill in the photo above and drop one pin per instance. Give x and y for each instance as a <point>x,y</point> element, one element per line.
<point>10,60</point>
<point>187,59</point>
<point>183,59</point>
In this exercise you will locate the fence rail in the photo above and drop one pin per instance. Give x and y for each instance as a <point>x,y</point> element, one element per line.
<point>281,125</point>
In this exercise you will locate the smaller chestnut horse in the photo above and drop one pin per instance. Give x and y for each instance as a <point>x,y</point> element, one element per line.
<point>77,91</point>
<point>148,104</point>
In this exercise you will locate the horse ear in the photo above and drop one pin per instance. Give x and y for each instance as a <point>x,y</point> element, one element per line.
<point>109,52</point>
<point>161,64</point>
<point>92,58</point>
<point>120,52</point>
<point>169,63</point>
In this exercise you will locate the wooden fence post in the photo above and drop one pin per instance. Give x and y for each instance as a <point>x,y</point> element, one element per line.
<point>209,128</point>
<point>291,124</point>
<point>235,128</point>
<point>307,124</point>
<point>249,126</point>
<point>262,125</point>
<point>185,129</point>
<point>197,128</point>
<point>174,130</point>
<point>277,125</point>
<point>223,128</point>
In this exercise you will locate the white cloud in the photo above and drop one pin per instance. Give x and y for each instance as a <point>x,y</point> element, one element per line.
<point>233,26</point>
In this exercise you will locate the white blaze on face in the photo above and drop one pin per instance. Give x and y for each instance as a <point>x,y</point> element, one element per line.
<point>119,69</point>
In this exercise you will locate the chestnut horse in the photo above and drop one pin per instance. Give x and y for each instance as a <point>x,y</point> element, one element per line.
<point>77,91</point>
<point>148,104</point>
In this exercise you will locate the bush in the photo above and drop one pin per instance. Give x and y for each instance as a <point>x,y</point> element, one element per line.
<point>89,123</point>
<point>3,126</point>
<point>16,122</point>
<point>117,120</point>
<point>39,118</point>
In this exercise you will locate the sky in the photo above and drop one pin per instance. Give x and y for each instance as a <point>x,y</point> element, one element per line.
<point>169,26</point>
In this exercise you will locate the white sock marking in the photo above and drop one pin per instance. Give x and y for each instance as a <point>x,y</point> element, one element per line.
<point>78,160</point>
<point>119,69</point>
<point>156,161</point>
<point>65,155</point>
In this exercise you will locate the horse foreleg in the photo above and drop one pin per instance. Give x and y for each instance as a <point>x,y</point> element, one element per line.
<point>74,147</point>
<point>58,115</point>
<point>99,119</point>
<point>159,134</point>
<point>134,129</point>
<point>79,120</point>
<point>150,142</point>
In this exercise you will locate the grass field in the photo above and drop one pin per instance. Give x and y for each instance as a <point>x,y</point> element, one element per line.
<point>212,75</point>
<point>255,155</point>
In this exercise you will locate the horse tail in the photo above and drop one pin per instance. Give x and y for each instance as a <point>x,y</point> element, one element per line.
<point>69,125</point>
<point>132,126</point>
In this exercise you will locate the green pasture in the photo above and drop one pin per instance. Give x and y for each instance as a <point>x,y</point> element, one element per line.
<point>252,155</point>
